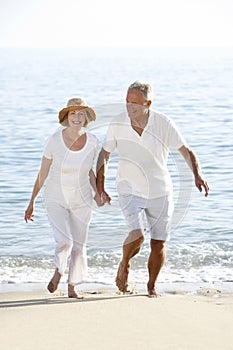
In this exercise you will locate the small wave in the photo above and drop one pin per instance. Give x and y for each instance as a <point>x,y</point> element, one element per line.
<point>204,262</point>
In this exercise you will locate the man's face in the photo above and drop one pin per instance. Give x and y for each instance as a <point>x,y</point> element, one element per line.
<point>136,104</point>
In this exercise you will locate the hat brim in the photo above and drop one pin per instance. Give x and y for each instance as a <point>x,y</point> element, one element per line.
<point>63,113</point>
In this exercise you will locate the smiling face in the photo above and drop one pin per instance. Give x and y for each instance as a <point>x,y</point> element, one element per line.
<point>77,119</point>
<point>136,104</point>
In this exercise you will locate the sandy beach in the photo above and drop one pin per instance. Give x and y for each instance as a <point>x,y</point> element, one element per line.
<point>107,320</point>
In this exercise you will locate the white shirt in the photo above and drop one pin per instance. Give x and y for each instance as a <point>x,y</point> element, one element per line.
<point>142,169</point>
<point>69,171</point>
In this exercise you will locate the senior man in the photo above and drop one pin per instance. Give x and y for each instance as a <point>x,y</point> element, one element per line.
<point>143,138</point>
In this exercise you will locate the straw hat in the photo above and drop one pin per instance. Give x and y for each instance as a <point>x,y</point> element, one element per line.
<point>76,104</point>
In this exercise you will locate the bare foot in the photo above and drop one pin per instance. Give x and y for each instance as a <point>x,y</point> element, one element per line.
<point>152,292</point>
<point>53,284</point>
<point>72,293</point>
<point>122,277</point>
<point>75,296</point>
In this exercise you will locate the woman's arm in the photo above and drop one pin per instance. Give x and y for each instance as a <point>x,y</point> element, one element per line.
<point>194,164</point>
<point>41,177</point>
<point>97,197</point>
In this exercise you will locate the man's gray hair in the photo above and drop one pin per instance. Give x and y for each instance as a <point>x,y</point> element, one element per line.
<point>145,89</point>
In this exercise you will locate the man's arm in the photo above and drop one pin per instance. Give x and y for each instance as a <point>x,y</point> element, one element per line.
<point>194,164</point>
<point>101,170</point>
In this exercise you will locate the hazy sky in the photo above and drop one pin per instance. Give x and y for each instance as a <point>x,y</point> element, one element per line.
<point>75,23</point>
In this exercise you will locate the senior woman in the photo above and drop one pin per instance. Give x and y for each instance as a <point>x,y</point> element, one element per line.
<point>66,166</point>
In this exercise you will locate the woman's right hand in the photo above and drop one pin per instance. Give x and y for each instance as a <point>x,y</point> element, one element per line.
<point>98,200</point>
<point>29,213</point>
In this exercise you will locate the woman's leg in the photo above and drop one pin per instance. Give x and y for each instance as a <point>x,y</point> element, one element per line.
<point>59,220</point>
<point>79,224</point>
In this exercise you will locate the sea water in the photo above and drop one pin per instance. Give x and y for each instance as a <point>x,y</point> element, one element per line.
<point>193,87</point>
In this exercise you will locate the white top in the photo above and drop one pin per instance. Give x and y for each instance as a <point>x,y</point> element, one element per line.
<point>69,170</point>
<point>142,168</point>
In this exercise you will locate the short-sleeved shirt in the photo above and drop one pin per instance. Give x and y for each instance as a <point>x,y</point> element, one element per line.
<point>142,168</point>
<point>69,170</point>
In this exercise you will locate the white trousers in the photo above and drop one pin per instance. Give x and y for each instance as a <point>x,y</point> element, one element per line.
<point>70,227</point>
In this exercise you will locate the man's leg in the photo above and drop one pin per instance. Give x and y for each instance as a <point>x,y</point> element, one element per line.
<point>155,263</point>
<point>159,215</point>
<point>131,247</point>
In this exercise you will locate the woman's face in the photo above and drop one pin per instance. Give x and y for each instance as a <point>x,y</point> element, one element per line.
<point>76,119</point>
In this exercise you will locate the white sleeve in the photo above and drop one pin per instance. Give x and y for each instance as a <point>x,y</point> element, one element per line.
<point>175,138</point>
<point>48,149</point>
<point>110,142</point>
<point>97,147</point>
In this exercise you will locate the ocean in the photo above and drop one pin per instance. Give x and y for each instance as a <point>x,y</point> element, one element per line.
<point>192,86</point>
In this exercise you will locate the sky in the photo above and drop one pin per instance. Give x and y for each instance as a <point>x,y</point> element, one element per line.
<point>107,23</point>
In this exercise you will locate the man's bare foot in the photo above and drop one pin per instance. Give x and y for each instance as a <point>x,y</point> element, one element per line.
<point>151,292</point>
<point>122,277</point>
<point>53,284</point>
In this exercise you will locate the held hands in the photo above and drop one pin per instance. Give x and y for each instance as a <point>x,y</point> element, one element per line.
<point>102,198</point>
<point>29,213</point>
<point>98,200</point>
<point>105,198</point>
<point>200,182</point>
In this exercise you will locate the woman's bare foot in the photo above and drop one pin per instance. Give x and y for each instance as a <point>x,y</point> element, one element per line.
<point>122,277</point>
<point>53,284</point>
<point>72,293</point>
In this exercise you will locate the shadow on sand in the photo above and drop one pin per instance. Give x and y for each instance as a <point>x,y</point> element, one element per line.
<point>54,300</point>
